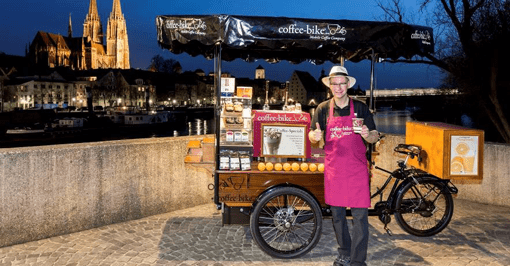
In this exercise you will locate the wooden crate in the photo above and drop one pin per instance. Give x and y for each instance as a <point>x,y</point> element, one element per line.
<point>449,151</point>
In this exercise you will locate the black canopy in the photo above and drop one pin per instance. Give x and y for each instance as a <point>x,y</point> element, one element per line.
<point>291,39</point>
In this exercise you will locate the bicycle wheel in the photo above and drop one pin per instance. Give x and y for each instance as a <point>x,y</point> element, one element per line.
<point>286,223</point>
<point>424,209</point>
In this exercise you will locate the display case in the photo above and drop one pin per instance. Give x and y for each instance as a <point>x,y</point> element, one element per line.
<point>236,131</point>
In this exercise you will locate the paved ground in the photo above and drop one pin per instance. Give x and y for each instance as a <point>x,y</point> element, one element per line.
<point>478,235</point>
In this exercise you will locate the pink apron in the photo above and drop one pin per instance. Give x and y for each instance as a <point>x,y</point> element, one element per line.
<point>346,181</point>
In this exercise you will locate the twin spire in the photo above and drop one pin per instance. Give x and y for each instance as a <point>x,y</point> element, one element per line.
<point>93,10</point>
<point>117,48</point>
<point>116,11</point>
<point>92,29</point>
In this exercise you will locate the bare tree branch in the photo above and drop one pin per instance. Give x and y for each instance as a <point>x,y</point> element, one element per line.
<point>395,13</point>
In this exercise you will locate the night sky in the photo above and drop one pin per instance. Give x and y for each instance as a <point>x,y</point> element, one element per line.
<point>20,21</point>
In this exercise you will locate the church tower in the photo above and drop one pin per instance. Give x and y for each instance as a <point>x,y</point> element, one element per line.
<point>70,28</point>
<point>92,29</point>
<point>117,47</point>
<point>260,73</point>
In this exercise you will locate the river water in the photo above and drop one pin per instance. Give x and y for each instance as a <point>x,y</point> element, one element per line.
<point>392,122</point>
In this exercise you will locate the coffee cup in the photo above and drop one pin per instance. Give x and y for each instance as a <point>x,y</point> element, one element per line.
<point>357,125</point>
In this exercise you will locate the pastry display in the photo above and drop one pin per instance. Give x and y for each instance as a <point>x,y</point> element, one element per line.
<point>229,107</point>
<point>238,107</point>
<point>230,120</point>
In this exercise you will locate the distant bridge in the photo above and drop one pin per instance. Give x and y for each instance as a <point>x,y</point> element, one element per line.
<point>401,98</point>
<point>412,92</point>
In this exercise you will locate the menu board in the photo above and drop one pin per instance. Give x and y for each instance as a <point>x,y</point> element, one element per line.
<point>228,86</point>
<point>280,140</point>
<point>293,127</point>
<point>464,155</point>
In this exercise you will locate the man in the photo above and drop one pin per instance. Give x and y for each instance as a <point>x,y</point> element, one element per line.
<point>346,181</point>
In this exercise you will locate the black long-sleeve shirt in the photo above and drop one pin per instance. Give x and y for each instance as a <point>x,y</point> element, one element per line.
<point>361,109</point>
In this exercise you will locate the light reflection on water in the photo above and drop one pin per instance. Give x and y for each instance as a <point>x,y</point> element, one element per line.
<point>392,122</point>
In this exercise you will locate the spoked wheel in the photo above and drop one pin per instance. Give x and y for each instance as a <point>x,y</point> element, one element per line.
<point>424,209</point>
<point>286,223</point>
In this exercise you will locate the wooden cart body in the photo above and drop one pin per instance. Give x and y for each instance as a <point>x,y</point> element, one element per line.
<point>239,190</point>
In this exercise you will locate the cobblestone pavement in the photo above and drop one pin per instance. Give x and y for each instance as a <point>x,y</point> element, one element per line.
<point>479,234</point>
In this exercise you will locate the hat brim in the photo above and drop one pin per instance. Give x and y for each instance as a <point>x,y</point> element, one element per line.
<point>352,81</point>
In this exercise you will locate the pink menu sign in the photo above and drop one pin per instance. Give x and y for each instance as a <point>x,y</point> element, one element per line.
<point>274,119</point>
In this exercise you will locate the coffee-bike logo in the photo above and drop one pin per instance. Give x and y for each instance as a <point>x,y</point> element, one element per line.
<point>283,118</point>
<point>191,26</point>
<point>331,31</point>
<point>424,36</point>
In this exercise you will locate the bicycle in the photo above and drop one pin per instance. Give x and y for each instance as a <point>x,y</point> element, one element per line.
<point>421,202</point>
<point>286,221</point>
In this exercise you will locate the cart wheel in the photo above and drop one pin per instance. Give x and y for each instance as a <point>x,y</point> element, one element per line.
<point>286,223</point>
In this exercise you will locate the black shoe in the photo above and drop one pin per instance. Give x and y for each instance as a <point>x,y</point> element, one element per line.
<point>342,261</point>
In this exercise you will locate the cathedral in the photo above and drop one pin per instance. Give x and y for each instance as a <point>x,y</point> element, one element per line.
<point>87,52</point>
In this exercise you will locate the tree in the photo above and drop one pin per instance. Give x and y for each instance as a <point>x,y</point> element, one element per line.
<point>470,38</point>
<point>160,64</point>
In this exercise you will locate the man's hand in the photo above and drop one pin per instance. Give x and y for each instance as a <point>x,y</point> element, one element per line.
<point>369,136</point>
<point>365,132</point>
<point>315,135</point>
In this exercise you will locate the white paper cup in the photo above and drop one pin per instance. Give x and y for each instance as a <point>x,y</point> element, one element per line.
<point>357,124</point>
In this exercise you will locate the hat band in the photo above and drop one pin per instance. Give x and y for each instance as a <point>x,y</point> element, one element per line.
<point>338,74</point>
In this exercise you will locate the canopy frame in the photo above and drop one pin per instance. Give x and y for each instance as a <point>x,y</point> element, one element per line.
<point>228,37</point>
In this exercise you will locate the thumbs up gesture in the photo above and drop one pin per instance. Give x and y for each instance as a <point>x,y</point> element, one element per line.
<point>315,135</point>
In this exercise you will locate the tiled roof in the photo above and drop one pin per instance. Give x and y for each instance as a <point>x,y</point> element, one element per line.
<point>51,39</point>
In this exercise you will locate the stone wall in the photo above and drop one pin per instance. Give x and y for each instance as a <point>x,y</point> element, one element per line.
<point>53,190</point>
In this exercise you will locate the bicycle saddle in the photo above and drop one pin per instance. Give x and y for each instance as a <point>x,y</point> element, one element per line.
<point>408,149</point>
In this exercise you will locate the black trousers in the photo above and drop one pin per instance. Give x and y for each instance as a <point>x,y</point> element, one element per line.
<point>354,247</point>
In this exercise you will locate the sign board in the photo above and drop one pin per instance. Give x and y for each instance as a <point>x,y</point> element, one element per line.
<point>283,140</point>
<point>293,127</point>
<point>228,86</point>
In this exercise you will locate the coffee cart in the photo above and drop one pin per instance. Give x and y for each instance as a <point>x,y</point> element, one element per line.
<point>252,145</point>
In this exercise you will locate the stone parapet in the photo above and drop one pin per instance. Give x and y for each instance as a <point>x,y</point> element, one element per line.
<point>52,190</point>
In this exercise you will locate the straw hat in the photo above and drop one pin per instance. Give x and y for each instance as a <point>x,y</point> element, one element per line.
<point>339,71</point>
